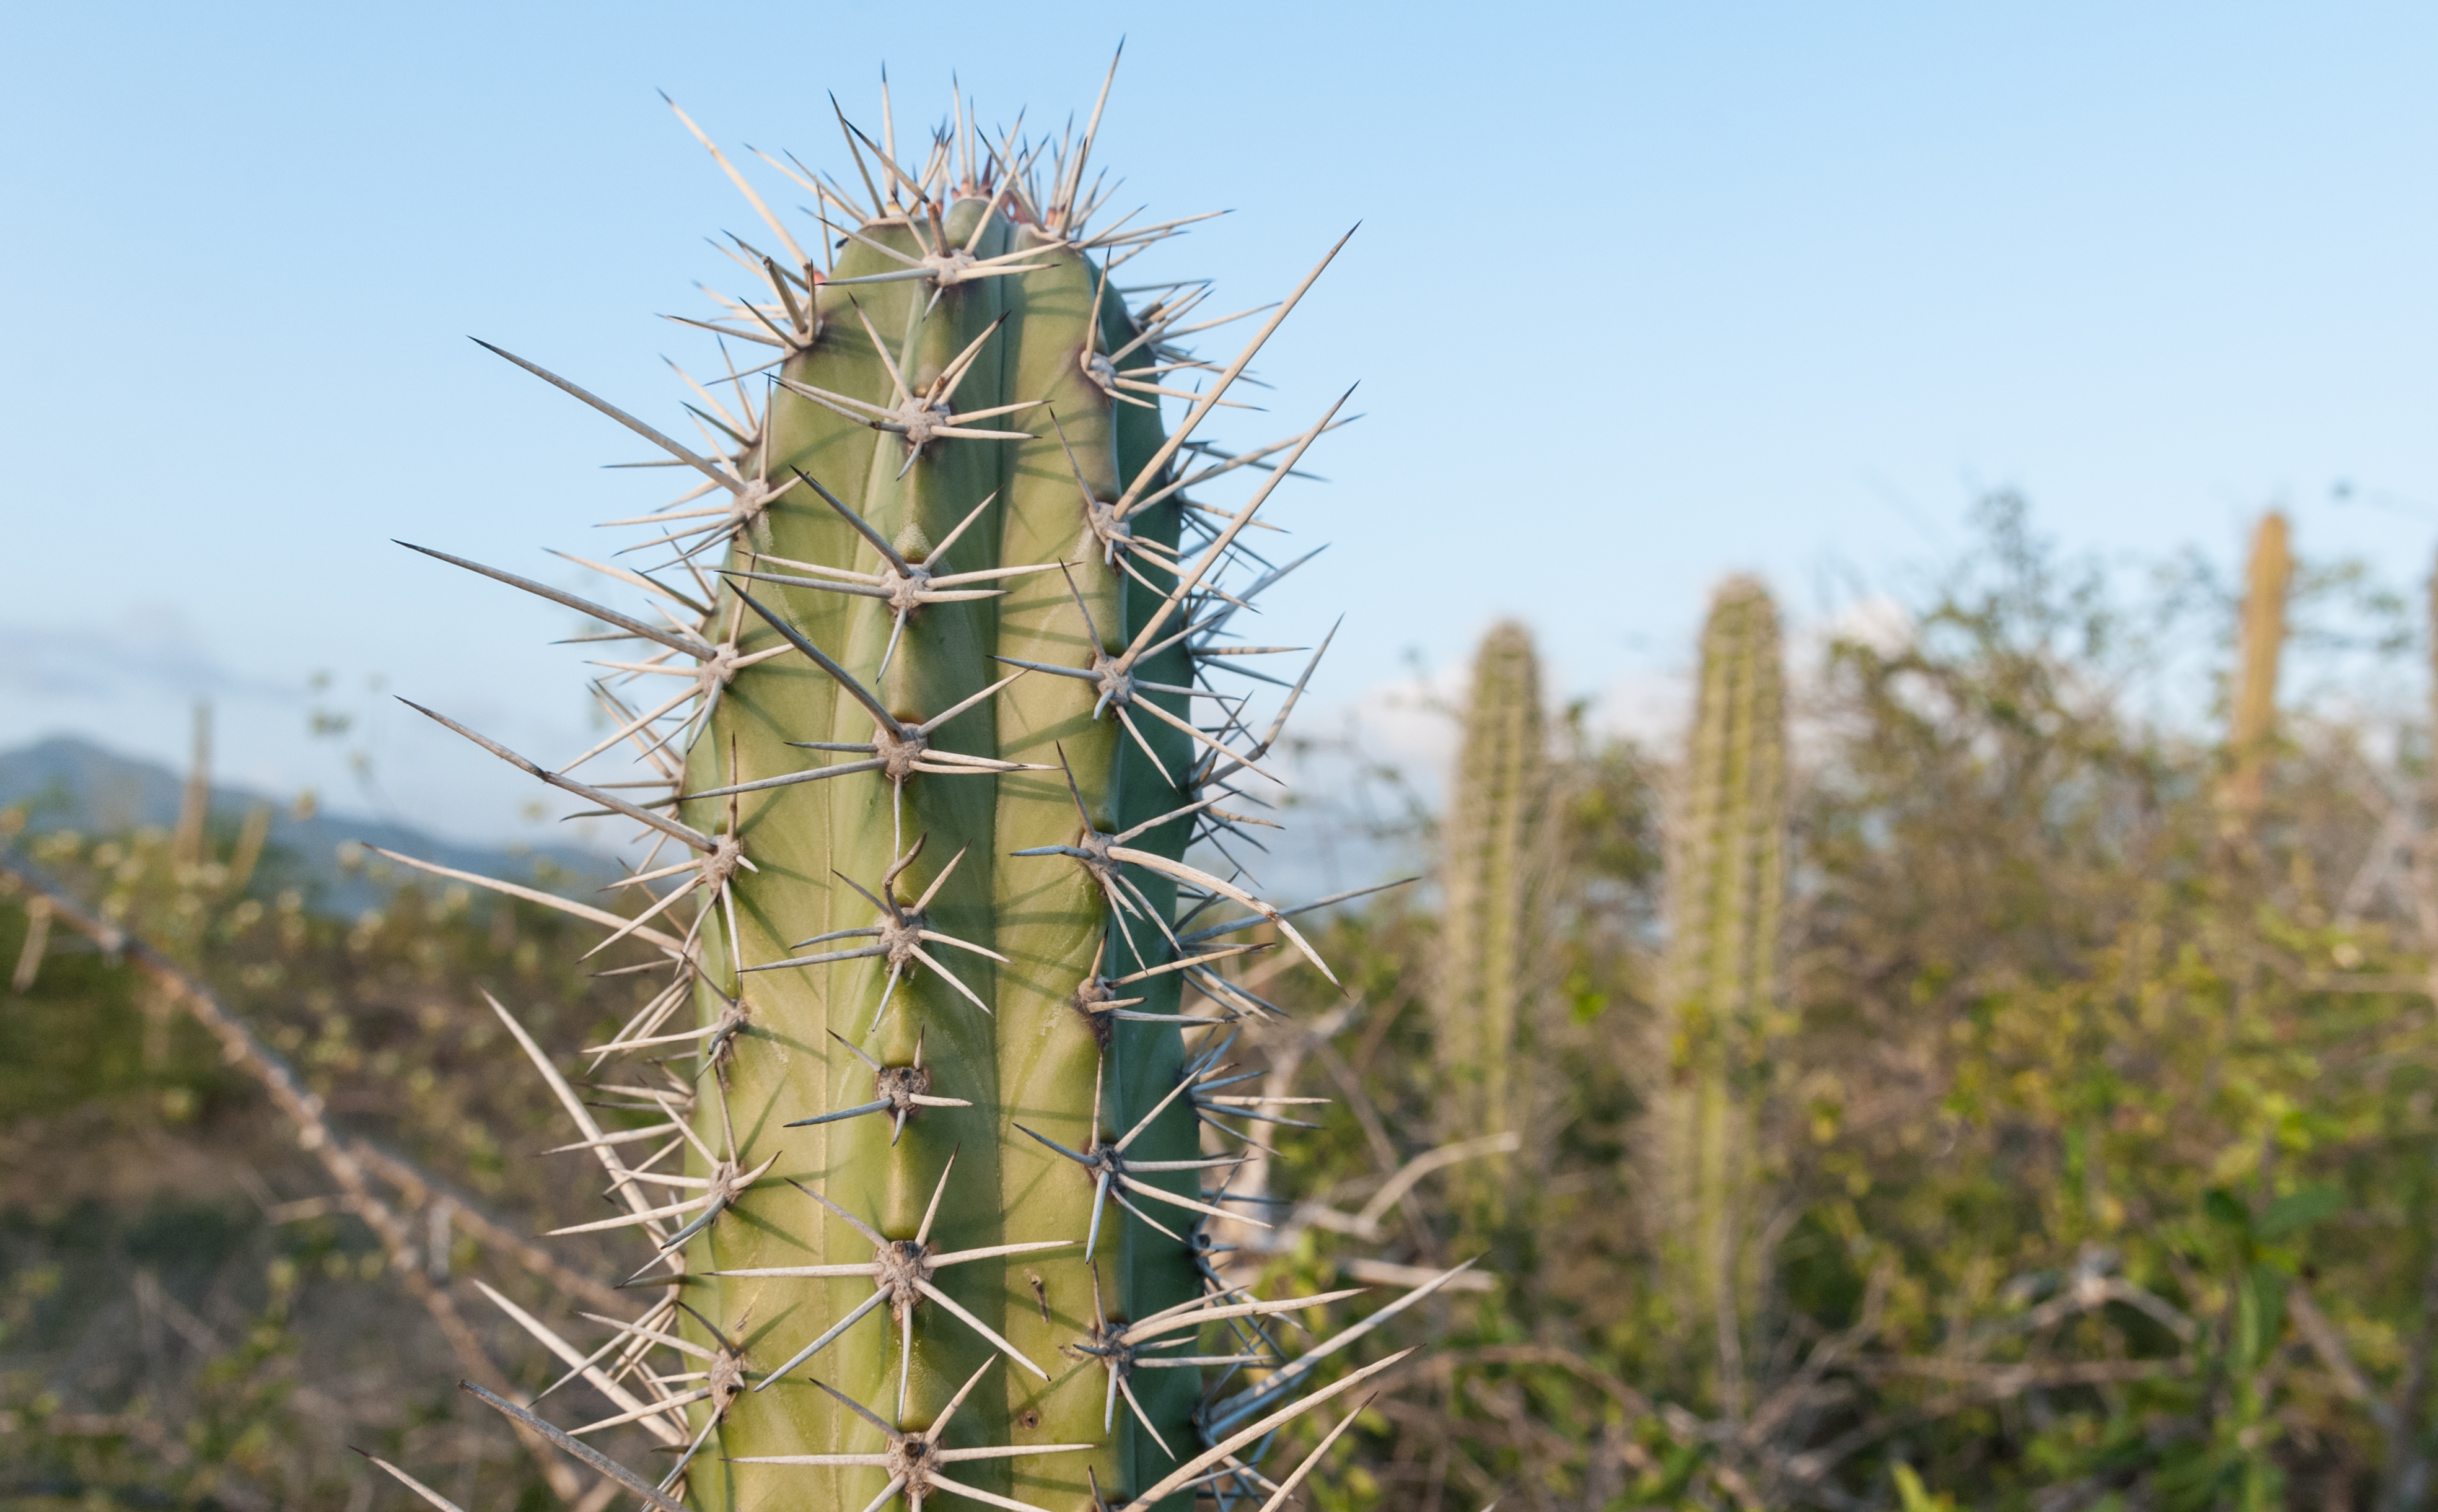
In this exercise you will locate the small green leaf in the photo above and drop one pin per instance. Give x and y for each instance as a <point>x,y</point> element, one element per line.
<point>2223,1208</point>
<point>1911,1494</point>
<point>2267,1291</point>
<point>2300,1209</point>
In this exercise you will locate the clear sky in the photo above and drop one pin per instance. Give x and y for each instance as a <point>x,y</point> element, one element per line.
<point>1642,294</point>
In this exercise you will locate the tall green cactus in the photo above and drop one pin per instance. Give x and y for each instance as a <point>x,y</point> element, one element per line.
<point>1726,878</point>
<point>945,635</point>
<point>1494,873</point>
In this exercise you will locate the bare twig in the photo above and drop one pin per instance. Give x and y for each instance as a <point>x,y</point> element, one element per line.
<point>303,1109</point>
<point>421,1190</point>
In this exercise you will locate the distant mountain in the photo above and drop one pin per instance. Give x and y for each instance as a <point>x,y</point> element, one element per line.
<point>67,784</point>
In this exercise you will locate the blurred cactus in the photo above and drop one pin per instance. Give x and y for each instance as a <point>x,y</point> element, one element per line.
<point>188,840</point>
<point>1494,870</point>
<point>1726,876</point>
<point>2252,730</point>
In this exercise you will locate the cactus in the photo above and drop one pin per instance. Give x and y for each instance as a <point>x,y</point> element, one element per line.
<point>945,645</point>
<point>2252,728</point>
<point>1726,876</point>
<point>1493,869</point>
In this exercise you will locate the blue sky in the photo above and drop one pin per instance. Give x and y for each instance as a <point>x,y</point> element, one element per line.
<point>1643,295</point>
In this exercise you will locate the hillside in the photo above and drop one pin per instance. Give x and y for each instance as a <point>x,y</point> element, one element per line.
<point>67,784</point>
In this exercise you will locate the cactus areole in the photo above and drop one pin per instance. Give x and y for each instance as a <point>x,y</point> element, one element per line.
<point>931,677</point>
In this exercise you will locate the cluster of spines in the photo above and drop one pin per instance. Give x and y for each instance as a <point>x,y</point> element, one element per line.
<point>993,1038</point>
<point>1726,879</point>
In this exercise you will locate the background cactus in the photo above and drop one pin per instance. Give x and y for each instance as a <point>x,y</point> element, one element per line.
<point>2252,726</point>
<point>1495,867</point>
<point>946,638</point>
<point>1726,878</point>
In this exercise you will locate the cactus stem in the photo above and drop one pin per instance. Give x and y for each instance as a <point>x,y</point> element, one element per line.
<point>898,935</point>
<point>898,749</point>
<point>1157,325</point>
<point>910,1455</point>
<point>1095,849</point>
<point>907,586</point>
<point>1118,541</point>
<point>901,1272</point>
<point>1112,1172</point>
<point>902,1091</point>
<point>1118,1348</point>
<point>919,419</point>
<point>944,269</point>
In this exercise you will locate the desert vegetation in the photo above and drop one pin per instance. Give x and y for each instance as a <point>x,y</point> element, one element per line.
<point>1963,1066</point>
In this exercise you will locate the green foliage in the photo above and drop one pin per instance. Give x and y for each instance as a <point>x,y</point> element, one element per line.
<point>2098,1155</point>
<point>184,1319</point>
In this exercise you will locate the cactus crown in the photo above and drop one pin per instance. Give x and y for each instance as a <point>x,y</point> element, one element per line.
<point>949,694</point>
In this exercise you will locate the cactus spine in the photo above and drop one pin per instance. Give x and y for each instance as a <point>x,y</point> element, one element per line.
<point>2252,728</point>
<point>1726,878</point>
<point>952,632</point>
<point>1494,870</point>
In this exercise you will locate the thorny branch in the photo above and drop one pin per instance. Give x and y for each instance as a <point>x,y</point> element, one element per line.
<point>343,1160</point>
